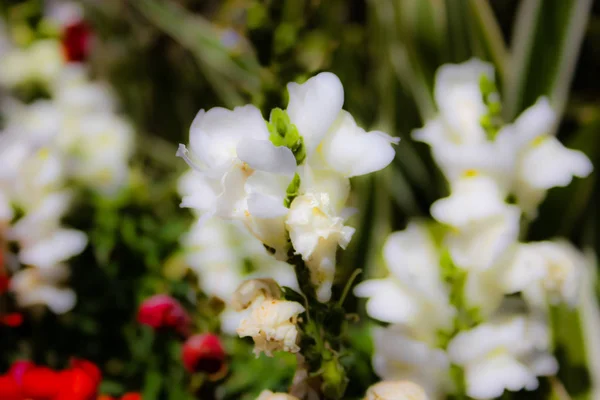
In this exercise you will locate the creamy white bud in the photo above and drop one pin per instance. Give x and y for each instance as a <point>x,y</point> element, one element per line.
<point>396,390</point>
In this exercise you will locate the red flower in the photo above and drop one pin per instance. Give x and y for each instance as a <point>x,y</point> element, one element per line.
<point>76,41</point>
<point>40,383</point>
<point>80,382</point>
<point>13,319</point>
<point>162,311</point>
<point>9,388</point>
<point>204,353</point>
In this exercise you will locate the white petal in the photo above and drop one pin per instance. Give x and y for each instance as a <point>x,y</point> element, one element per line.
<point>537,120</point>
<point>387,301</point>
<point>488,379</point>
<point>351,151</point>
<point>525,267</point>
<point>480,245</point>
<point>549,164</point>
<point>472,199</point>
<point>263,206</point>
<point>263,155</point>
<point>215,134</point>
<point>412,258</point>
<point>314,106</point>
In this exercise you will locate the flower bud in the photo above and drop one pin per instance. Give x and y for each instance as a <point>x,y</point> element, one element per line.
<point>249,290</point>
<point>76,41</point>
<point>396,390</point>
<point>162,311</point>
<point>204,353</point>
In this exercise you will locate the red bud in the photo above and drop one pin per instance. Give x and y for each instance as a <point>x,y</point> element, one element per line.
<point>76,41</point>
<point>204,353</point>
<point>13,319</point>
<point>162,311</point>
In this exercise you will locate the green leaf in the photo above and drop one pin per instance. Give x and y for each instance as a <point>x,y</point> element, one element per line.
<point>546,41</point>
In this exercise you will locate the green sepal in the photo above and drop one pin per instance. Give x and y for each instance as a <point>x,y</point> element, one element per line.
<point>292,191</point>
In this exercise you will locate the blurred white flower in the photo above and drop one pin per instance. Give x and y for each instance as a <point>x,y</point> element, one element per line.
<point>398,356</point>
<point>509,353</point>
<point>482,225</point>
<point>413,294</point>
<point>41,62</point>
<point>545,272</point>
<point>39,286</point>
<point>543,161</point>
<point>395,390</point>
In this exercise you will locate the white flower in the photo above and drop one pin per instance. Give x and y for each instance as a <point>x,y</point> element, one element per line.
<point>222,139</point>
<point>398,356</point>
<point>350,151</point>
<point>34,286</point>
<point>268,395</point>
<point>458,96</point>
<point>272,325</point>
<point>506,354</point>
<point>546,272</point>
<point>316,231</point>
<point>413,294</point>
<point>543,161</point>
<point>395,390</point>
<point>314,106</point>
<point>483,225</point>
<point>233,148</point>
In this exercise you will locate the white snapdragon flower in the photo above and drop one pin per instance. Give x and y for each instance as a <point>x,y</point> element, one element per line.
<point>268,395</point>
<point>316,229</point>
<point>332,138</point>
<point>39,286</point>
<point>395,390</point>
<point>399,356</point>
<point>458,141</point>
<point>543,162</point>
<point>545,272</point>
<point>507,354</point>
<point>483,225</point>
<point>270,322</point>
<point>233,148</point>
<point>413,294</point>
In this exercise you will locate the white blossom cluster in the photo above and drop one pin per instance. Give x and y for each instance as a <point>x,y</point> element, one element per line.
<point>287,182</point>
<point>446,297</point>
<point>49,149</point>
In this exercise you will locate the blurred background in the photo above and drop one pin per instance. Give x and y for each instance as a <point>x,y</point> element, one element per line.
<point>165,60</point>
